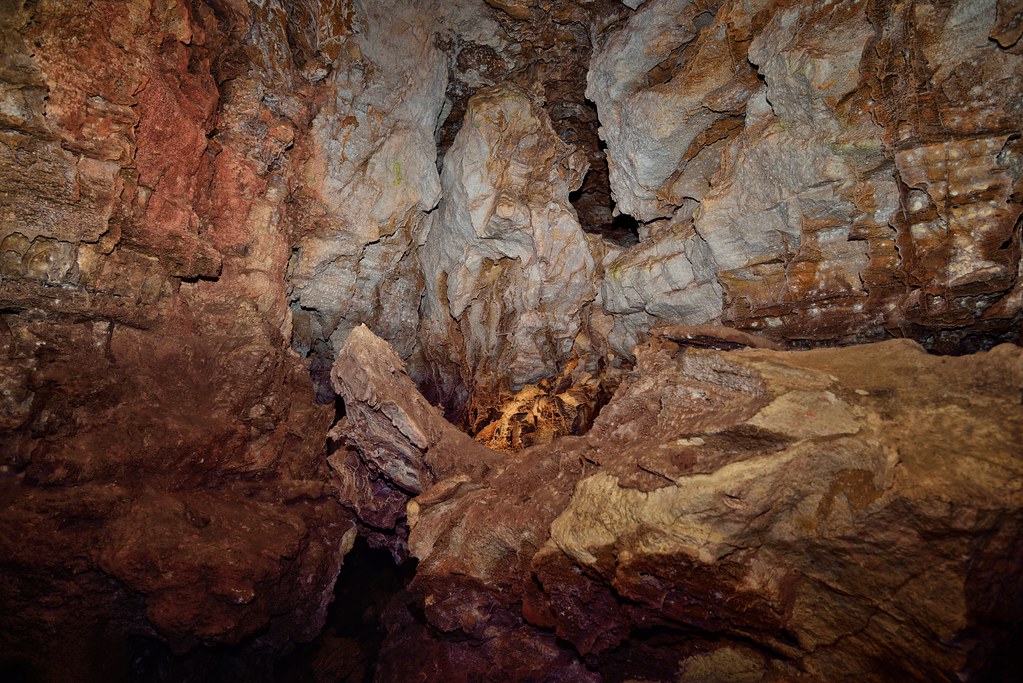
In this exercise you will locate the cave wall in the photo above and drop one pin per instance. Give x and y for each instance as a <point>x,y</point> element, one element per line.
<point>200,201</point>
<point>850,170</point>
<point>162,463</point>
<point>791,169</point>
<point>752,515</point>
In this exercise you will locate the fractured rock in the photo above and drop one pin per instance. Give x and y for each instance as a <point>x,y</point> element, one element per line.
<point>395,444</point>
<point>369,179</point>
<point>785,515</point>
<point>508,270</point>
<point>828,157</point>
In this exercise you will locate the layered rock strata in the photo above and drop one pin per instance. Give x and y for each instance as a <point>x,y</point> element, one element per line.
<point>844,170</point>
<point>756,515</point>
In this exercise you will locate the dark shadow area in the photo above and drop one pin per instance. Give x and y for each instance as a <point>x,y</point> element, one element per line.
<point>348,647</point>
<point>153,662</point>
<point>623,231</point>
<point>17,671</point>
<point>321,360</point>
<point>594,204</point>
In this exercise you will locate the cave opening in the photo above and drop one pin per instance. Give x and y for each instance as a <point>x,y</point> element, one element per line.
<point>593,202</point>
<point>348,647</point>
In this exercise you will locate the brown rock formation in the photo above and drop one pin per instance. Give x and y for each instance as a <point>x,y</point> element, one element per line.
<point>394,444</point>
<point>202,202</point>
<point>162,470</point>
<point>827,515</point>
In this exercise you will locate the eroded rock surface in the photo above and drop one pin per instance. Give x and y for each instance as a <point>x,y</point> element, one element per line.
<point>508,271</point>
<point>848,514</point>
<point>192,192</point>
<point>162,473</point>
<point>368,180</point>
<point>393,444</point>
<point>843,170</point>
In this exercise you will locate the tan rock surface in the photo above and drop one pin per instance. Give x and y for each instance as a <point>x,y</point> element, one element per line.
<point>826,515</point>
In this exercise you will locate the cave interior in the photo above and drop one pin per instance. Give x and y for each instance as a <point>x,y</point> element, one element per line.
<point>498,340</point>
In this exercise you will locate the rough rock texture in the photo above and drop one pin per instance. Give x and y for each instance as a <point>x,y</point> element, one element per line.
<point>162,476</point>
<point>369,178</point>
<point>544,48</point>
<point>508,270</point>
<point>394,444</point>
<point>842,169</point>
<point>202,200</point>
<point>851,514</point>
<point>395,87</point>
<point>782,181</point>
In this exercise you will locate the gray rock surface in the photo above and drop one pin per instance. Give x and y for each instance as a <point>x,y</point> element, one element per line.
<point>370,178</point>
<point>508,270</point>
<point>829,200</point>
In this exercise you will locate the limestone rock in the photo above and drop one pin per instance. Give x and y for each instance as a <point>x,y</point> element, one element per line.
<point>369,178</point>
<point>809,187</point>
<point>666,278</point>
<point>768,515</point>
<point>667,87</point>
<point>507,269</point>
<point>200,203</point>
<point>394,444</point>
<point>162,473</point>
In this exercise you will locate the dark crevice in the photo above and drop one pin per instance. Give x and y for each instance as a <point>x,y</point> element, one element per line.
<point>348,647</point>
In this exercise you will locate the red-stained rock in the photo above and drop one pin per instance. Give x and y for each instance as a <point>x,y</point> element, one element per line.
<point>394,444</point>
<point>162,476</point>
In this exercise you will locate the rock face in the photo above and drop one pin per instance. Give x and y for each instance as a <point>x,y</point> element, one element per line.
<point>508,270</point>
<point>202,202</point>
<point>369,179</point>
<point>747,515</point>
<point>782,182</point>
<point>393,443</point>
<point>836,183</point>
<point>162,467</point>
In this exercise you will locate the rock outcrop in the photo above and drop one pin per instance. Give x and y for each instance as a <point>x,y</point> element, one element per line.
<point>844,171</point>
<point>756,515</point>
<point>508,270</point>
<point>369,179</point>
<point>782,182</point>
<point>162,471</point>
<point>392,444</point>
